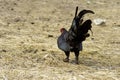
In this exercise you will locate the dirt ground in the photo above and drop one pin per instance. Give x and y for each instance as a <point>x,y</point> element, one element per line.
<point>29,30</point>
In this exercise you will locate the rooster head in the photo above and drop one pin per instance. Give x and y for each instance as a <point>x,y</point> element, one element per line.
<point>62,30</point>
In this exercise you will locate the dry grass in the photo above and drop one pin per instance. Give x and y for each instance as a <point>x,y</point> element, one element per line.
<point>28,34</point>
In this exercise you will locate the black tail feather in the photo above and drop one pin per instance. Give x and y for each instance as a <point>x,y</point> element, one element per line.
<point>76,11</point>
<point>83,12</point>
<point>79,29</point>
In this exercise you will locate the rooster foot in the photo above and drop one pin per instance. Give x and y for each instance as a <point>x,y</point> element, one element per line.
<point>77,62</point>
<point>66,60</point>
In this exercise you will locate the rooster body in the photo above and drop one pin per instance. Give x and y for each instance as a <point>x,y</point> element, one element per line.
<point>71,40</point>
<point>67,45</point>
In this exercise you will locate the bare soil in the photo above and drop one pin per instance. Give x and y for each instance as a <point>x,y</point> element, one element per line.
<point>29,30</point>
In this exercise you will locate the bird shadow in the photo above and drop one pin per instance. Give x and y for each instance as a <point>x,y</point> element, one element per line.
<point>92,59</point>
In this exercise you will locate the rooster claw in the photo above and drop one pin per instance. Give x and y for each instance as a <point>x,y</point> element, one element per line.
<point>66,60</point>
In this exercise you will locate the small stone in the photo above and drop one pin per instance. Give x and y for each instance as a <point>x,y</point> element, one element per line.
<point>4,50</point>
<point>88,1</point>
<point>19,29</point>
<point>15,3</point>
<point>43,49</point>
<point>50,35</point>
<point>92,38</point>
<point>99,21</point>
<point>36,51</point>
<point>17,19</point>
<point>12,9</point>
<point>32,23</point>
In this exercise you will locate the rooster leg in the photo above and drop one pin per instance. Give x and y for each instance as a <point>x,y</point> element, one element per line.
<point>67,58</point>
<point>77,57</point>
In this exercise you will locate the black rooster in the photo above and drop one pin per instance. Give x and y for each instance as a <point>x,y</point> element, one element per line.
<point>71,41</point>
